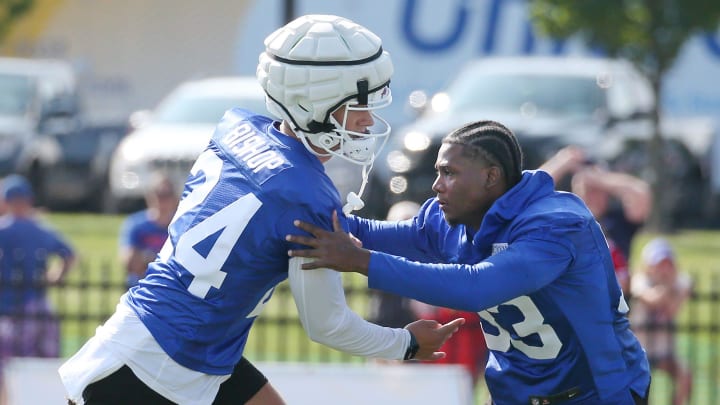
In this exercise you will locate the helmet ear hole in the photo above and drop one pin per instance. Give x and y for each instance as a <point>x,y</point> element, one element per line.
<point>327,141</point>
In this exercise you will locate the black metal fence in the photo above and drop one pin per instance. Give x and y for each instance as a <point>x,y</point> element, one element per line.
<point>89,297</point>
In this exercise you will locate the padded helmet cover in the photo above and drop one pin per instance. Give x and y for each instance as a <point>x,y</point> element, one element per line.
<point>315,64</point>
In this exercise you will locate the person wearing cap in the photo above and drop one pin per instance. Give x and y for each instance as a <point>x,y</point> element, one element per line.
<point>659,292</point>
<point>28,325</point>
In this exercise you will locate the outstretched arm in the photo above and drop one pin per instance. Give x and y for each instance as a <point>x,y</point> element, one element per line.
<point>324,314</point>
<point>566,161</point>
<point>470,287</point>
<point>633,192</point>
<point>59,268</point>
<point>405,238</point>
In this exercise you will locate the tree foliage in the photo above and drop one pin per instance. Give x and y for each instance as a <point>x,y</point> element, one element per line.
<point>10,11</point>
<point>650,33</point>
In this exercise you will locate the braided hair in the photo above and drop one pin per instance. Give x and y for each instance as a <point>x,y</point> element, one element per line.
<point>493,142</point>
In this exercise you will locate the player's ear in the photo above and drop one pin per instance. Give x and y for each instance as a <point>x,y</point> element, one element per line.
<point>494,175</point>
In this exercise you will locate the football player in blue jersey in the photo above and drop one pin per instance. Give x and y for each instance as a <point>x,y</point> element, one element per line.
<point>143,233</point>
<point>178,336</point>
<point>531,261</point>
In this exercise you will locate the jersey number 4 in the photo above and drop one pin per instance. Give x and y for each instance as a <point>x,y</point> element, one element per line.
<point>227,224</point>
<point>532,323</point>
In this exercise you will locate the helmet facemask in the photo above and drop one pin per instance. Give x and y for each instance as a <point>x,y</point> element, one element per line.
<point>356,147</point>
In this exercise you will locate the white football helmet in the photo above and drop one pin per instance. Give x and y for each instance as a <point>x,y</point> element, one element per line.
<point>317,64</point>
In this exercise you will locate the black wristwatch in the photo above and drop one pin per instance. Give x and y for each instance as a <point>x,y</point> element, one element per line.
<point>412,349</point>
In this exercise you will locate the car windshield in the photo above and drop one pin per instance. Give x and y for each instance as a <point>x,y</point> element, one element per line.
<point>535,94</point>
<point>191,109</point>
<point>16,94</point>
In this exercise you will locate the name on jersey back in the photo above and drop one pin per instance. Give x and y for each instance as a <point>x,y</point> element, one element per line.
<point>251,148</point>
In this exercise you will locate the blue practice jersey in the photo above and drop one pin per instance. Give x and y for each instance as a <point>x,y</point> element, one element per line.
<point>140,232</point>
<point>26,245</point>
<point>226,249</point>
<point>540,275</point>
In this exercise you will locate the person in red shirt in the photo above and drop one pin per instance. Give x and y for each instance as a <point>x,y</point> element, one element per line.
<point>622,272</point>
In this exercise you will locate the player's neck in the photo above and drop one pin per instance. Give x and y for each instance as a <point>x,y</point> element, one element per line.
<point>285,129</point>
<point>319,153</point>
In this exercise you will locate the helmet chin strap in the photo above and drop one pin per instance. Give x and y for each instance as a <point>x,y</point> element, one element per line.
<point>354,200</point>
<point>354,203</point>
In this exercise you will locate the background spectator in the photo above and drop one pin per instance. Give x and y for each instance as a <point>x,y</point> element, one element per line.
<point>32,256</point>
<point>620,202</point>
<point>143,233</point>
<point>659,291</point>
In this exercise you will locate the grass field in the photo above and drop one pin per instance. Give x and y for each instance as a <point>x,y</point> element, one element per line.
<point>95,238</point>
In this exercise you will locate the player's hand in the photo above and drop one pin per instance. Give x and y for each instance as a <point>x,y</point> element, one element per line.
<point>431,335</point>
<point>357,242</point>
<point>334,250</point>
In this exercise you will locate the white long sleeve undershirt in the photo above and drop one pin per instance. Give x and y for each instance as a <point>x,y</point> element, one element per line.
<point>323,310</point>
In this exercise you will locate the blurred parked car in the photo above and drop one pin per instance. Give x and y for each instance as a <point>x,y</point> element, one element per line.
<point>78,178</point>
<point>172,136</point>
<point>40,128</point>
<point>600,104</point>
<point>37,97</point>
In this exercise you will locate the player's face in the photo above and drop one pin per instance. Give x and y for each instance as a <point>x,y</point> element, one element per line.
<point>595,198</point>
<point>166,200</point>
<point>463,186</point>
<point>664,271</point>
<point>356,120</point>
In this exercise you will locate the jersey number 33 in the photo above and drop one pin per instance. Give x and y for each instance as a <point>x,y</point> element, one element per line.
<point>533,323</point>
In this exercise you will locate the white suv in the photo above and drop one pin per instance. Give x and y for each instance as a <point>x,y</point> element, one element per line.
<point>173,135</point>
